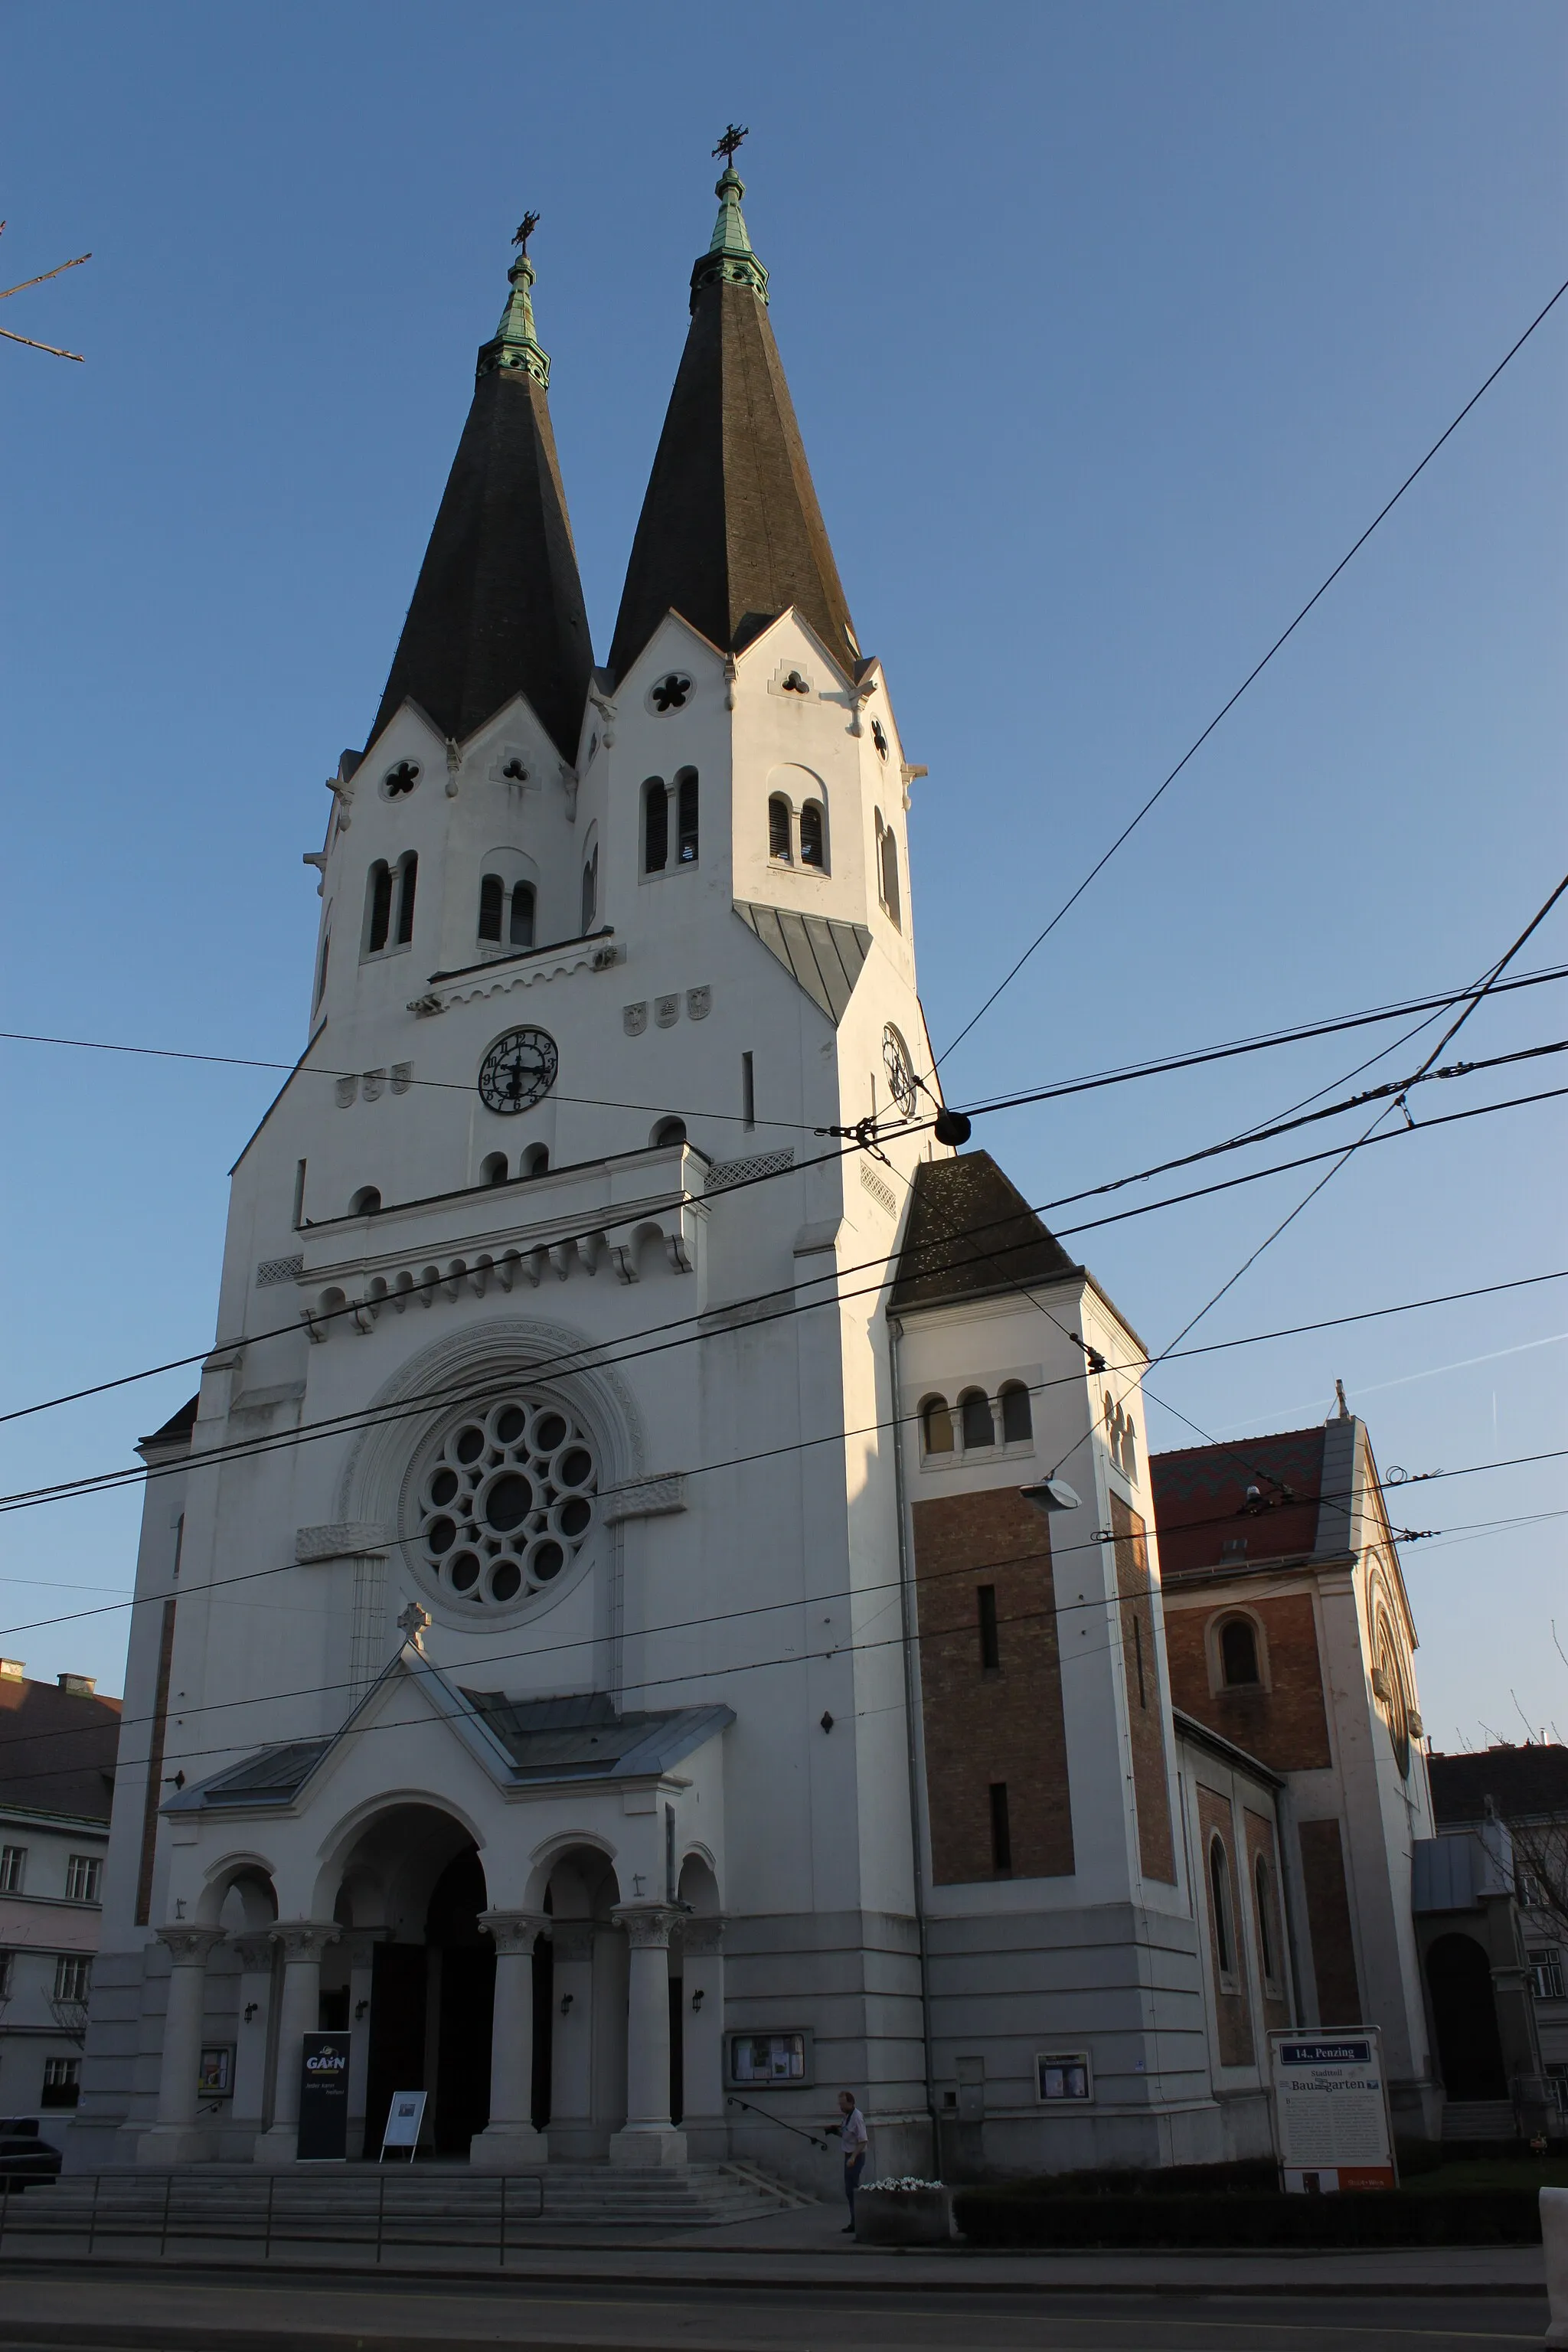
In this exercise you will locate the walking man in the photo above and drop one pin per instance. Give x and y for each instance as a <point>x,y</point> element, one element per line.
<point>851,2128</point>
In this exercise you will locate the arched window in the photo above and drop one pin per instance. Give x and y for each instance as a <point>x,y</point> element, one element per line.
<point>1219,1903</point>
<point>813,835</point>
<point>1263,1895</point>
<point>1238,1655</point>
<point>778,827</point>
<point>536,1161</point>
<point>493,893</point>
<point>590,890</point>
<point>378,907</point>
<point>494,1168</point>
<point>321,965</point>
<point>407,881</point>
<point>668,1131</point>
<point>366,1203</point>
<point>936,1425</point>
<point>519,931</point>
<point>686,814</point>
<point>655,826</point>
<point>1017,1425</point>
<point>974,1411</point>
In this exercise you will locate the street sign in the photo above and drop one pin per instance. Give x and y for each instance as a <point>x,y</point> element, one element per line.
<point>324,2099</point>
<point>1330,2111</point>
<point>405,2120</point>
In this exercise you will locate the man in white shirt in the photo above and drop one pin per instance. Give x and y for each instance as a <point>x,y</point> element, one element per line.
<point>851,2130</point>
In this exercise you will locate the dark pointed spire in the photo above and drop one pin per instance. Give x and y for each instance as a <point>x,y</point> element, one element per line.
<point>731,533</point>
<point>497,609</point>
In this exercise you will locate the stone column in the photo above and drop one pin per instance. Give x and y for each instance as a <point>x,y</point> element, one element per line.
<point>649,2136</point>
<point>254,1953</point>
<point>299,2013</point>
<point>362,1964</point>
<point>509,2142</point>
<point>572,2042</point>
<point>176,2137</point>
<point>702,2038</point>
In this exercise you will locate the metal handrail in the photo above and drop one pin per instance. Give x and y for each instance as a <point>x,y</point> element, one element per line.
<point>751,2106</point>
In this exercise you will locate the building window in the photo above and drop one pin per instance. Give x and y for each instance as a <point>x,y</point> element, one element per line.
<point>669,693</point>
<point>1017,1424</point>
<point>1263,1897</point>
<point>590,894</point>
<point>493,1169</point>
<point>378,907</point>
<point>685,817</point>
<point>936,1426</point>
<point>73,1976</point>
<point>12,1868</point>
<point>62,2082</point>
<point>1557,2076</point>
<point>408,882</point>
<point>1238,1655</point>
<point>813,835</point>
<point>655,826</point>
<point>974,1411</point>
<point>536,1161</point>
<point>506,1503</point>
<point>668,1131</point>
<point>5,1959</point>
<point>492,901</point>
<point>366,1202</point>
<point>779,829</point>
<point>1546,1979</point>
<point>990,1651</point>
<point>321,961</point>
<point>888,871</point>
<point>1001,1832</point>
<point>84,1873</point>
<point>519,931</point>
<point>1219,1908</point>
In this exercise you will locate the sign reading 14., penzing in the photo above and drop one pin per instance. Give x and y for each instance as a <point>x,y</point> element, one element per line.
<point>1332,2111</point>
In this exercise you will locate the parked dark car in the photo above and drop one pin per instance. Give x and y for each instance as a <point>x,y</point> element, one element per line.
<point>24,2156</point>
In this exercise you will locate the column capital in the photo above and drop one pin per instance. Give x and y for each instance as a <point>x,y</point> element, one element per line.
<point>646,1923</point>
<point>703,1933</point>
<point>304,1939</point>
<point>253,1949</point>
<point>514,1931</point>
<point>189,1946</point>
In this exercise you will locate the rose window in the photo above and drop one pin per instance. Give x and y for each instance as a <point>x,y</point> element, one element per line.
<point>508,1502</point>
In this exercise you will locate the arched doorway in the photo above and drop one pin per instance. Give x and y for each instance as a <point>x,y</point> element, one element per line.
<point>1463,2018</point>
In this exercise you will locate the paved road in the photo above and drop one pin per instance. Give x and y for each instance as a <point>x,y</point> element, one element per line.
<point>190,2313</point>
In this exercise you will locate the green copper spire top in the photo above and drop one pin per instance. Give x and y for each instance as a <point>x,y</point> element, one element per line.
<point>729,261</point>
<point>514,343</point>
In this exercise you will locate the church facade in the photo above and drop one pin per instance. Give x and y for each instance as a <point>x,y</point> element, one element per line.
<point>594,1643</point>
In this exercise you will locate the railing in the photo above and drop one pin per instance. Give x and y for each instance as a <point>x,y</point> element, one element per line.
<point>391,2211</point>
<point>769,2118</point>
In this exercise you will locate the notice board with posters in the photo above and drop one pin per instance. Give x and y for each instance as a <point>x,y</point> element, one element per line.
<point>324,2099</point>
<point>1331,2110</point>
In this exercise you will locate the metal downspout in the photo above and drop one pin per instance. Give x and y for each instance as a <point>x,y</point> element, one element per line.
<point>906,1623</point>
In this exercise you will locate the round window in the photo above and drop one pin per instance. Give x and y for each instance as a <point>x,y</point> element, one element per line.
<point>506,1502</point>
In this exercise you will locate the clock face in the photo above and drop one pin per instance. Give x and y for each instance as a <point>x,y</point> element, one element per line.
<point>900,1070</point>
<point>518,1071</point>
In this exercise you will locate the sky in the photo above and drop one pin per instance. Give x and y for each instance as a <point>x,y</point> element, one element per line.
<point>1110,330</point>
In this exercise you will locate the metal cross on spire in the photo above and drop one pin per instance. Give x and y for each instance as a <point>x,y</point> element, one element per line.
<point>53,349</point>
<point>734,135</point>
<point>526,227</point>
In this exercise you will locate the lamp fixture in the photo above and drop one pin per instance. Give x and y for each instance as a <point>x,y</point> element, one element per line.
<point>1051,1494</point>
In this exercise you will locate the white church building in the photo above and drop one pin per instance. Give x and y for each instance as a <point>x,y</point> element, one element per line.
<point>592,1645</point>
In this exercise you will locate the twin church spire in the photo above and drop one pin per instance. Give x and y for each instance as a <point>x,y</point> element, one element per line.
<point>731,533</point>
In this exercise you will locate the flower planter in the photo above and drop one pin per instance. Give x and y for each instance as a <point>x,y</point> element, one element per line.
<point>903,2217</point>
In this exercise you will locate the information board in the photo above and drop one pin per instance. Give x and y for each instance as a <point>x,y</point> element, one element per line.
<point>1332,2111</point>
<point>405,2120</point>
<point>324,2099</point>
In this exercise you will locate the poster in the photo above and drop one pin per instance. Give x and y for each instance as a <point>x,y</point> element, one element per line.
<point>214,2075</point>
<point>324,2099</point>
<point>405,2120</point>
<point>1332,2111</point>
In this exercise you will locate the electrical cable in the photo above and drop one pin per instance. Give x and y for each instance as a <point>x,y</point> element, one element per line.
<point>1252,675</point>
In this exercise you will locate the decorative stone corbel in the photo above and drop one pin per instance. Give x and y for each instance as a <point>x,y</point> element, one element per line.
<point>606,711</point>
<point>622,1259</point>
<point>861,696</point>
<point>344,800</point>
<point>454,766</point>
<point>729,675</point>
<point>908,776</point>
<point>569,780</point>
<point>676,1251</point>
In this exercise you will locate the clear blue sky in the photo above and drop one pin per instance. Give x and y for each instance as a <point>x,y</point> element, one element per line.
<point>1109,329</point>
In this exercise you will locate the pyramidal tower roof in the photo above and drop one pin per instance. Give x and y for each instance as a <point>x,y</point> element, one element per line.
<point>498,608</point>
<point>730,534</point>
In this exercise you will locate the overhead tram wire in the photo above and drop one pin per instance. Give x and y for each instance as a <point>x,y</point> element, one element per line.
<point>1254,674</point>
<point>851,1647</point>
<point>594,1355</point>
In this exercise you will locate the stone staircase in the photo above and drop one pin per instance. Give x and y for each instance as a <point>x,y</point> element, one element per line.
<point>391,2207</point>
<point>1464,2119</point>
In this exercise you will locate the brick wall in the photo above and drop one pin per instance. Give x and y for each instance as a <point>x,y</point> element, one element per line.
<point>1269,1925</point>
<point>1329,1924</point>
<point>1156,1845</point>
<point>1282,1723</point>
<point>1233,2011</point>
<point>995,1727</point>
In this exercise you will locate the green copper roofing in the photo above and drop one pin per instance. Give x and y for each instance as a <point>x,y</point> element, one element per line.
<point>729,261</point>
<point>514,343</point>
